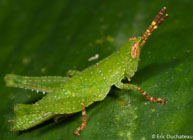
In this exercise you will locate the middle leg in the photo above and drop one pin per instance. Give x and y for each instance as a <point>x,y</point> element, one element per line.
<point>81,127</point>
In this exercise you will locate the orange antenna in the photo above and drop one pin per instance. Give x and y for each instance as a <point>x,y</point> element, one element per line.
<point>154,25</point>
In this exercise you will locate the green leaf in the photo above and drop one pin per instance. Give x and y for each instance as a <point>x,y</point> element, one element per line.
<point>44,37</point>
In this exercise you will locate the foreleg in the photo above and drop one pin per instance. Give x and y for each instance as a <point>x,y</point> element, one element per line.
<point>134,87</point>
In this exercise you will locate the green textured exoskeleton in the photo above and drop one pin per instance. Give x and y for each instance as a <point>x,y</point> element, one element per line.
<point>67,95</point>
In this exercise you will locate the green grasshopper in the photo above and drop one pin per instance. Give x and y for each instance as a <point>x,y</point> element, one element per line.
<point>68,95</point>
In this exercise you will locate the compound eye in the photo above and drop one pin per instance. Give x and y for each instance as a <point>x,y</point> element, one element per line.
<point>135,50</point>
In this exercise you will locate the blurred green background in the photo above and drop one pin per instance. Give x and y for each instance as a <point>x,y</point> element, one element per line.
<point>45,37</point>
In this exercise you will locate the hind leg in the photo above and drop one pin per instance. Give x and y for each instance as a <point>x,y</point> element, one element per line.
<point>83,124</point>
<point>45,84</point>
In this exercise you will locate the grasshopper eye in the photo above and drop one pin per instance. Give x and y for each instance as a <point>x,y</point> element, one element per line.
<point>135,50</point>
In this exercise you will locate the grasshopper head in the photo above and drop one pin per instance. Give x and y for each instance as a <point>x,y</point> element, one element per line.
<point>131,53</point>
<point>138,42</point>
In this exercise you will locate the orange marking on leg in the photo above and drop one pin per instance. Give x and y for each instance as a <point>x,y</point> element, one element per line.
<point>81,127</point>
<point>151,99</point>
